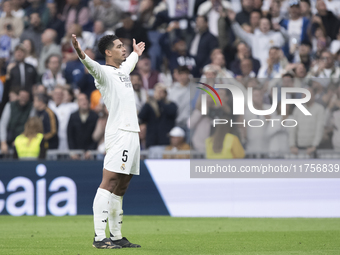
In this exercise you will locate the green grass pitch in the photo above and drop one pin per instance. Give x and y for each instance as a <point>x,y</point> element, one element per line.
<point>162,235</point>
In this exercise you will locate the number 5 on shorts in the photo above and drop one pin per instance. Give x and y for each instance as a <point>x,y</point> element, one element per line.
<point>125,156</point>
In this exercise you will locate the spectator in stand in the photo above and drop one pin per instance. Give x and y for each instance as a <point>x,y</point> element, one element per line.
<point>80,128</point>
<point>49,48</point>
<point>308,133</point>
<point>177,143</point>
<point>244,16</point>
<point>274,12</point>
<point>320,43</point>
<point>306,10</point>
<point>278,135</point>
<point>326,20</point>
<point>180,95</point>
<point>200,124</point>
<point>276,64</point>
<point>17,10</point>
<point>247,72</point>
<point>335,45</point>
<point>38,6</point>
<point>49,120</point>
<point>223,145</point>
<point>300,74</point>
<point>244,52</point>
<point>225,36</point>
<point>165,75</point>
<point>107,12</point>
<point>7,43</point>
<point>286,81</point>
<point>31,143</point>
<point>322,91</point>
<point>202,44</point>
<point>34,32</point>
<point>98,32</point>
<point>209,76</point>
<point>159,114</point>
<point>31,57</point>
<point>258,5</point>
<point>13,119</point>
<point>333,110</point>
<point>141,95</point>
<point>296,27</point>
<point>145,15</point>
<point>55,22</point>
<point>69,96</point>
<point>262,41</point>
<point>177,53</point>
<point>255,17</point>
<point>13,95</point>
<point>211,9</point>
<point>305,52</point>
<point>77,75</point>
<point>39,89</point>
<point>22,75</point>
<point>149,77</point>
<point>132,29</point>
<point>63,111</point>
<point>336,130</point>
<point>7,19</point>
<point>218,61</point>
<point>325,68</point>
<point>53,75</point>
<point>127,5</point>
<point>75,11</point>
<point>256,139</point>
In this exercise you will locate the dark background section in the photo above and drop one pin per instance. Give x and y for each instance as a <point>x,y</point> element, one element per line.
<point>142,197</point>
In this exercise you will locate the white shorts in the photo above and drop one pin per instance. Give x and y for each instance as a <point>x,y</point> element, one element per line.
<point>123,153</point>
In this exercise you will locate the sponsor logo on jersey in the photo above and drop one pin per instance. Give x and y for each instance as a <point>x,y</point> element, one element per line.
<point>124,79</point>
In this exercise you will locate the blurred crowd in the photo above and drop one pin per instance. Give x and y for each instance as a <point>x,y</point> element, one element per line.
<point>48,100</point>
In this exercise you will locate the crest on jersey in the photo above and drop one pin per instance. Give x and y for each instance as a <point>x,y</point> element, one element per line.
<point>122,167</point>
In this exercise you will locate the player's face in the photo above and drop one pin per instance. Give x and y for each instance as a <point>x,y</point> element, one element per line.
<point>118,51</point>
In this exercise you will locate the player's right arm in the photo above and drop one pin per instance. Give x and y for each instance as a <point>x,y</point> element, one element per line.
<point>94,68</point>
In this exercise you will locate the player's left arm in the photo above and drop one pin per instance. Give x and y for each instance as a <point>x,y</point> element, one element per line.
<point>94,68</point>
<point>131,60</point>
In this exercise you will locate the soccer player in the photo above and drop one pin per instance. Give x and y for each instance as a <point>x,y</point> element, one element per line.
<point>121,136</point>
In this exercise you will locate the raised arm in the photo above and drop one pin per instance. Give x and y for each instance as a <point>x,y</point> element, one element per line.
<point>94,68</point>
<point>238,30</point>
<point>131,60</point>
<point>77,47</point>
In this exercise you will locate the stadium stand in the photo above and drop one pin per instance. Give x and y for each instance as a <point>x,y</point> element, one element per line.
<point>264,45</point>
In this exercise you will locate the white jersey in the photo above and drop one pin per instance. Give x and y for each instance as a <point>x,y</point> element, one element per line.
<point>117,93</point>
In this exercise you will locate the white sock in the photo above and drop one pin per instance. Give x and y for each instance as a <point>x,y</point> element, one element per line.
<point>100,212</point>
<point>116,217</point>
